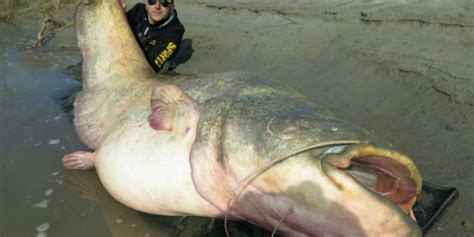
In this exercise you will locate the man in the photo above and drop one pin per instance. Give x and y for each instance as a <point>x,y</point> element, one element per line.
<point>158,30</point>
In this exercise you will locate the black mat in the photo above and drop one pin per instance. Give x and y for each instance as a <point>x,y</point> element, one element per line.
<point>432,204</point>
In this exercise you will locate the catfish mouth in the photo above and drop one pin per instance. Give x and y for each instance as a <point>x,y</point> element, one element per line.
<point>386,177</point>
<point>387,173</point>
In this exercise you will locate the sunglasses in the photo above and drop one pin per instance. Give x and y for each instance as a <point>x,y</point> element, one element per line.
<point>164,3</point>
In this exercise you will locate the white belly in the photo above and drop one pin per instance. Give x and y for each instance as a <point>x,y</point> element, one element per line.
<point>147,170</point>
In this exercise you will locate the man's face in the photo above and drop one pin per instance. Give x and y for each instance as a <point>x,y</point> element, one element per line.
<point>158,11</point>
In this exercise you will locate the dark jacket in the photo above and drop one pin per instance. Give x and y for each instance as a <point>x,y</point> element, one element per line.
<point>160,42</point>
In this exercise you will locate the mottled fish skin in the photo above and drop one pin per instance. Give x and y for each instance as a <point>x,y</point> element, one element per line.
<point>234,145</point>
<point>247,121</point>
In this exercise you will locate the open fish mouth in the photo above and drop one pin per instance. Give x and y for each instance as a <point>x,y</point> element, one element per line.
<point>387,173</point>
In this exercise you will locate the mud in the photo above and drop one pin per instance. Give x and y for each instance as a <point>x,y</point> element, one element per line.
<point>403,69</point>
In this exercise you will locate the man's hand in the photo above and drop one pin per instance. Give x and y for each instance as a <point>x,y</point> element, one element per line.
<point>124,6</point>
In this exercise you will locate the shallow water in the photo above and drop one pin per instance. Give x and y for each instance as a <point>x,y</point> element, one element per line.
<point>34,134</point>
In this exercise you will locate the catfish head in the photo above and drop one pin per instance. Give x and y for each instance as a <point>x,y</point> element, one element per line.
<point>271,157</point>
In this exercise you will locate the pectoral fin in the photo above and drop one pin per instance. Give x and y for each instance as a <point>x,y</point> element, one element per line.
<point>79,160</point>
<point>172,110</point>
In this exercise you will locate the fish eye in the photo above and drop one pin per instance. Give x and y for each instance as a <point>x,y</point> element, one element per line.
<point>335,150</point>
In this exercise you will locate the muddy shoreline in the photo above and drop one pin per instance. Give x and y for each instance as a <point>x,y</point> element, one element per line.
<point>403,69</point>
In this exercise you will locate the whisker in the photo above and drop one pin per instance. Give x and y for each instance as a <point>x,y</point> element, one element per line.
<point>260,170</point>
<point>290,210</point>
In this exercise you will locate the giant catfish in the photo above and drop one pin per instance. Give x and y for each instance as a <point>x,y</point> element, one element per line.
<point>229,145</point>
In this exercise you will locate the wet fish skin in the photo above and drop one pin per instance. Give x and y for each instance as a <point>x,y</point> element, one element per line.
<point>196,144</point>
<point>255,121</point>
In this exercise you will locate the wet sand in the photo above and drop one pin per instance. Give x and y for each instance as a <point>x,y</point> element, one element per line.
<point>402,69</point>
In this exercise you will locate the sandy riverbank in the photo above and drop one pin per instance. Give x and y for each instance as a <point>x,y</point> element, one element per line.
<point>403,69</point>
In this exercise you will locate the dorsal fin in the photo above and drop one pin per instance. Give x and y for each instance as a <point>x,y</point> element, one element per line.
<point>173,110</point>
<point>107,43</point>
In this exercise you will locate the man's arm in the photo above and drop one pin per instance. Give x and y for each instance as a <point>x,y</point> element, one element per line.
<point>132,15</point>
